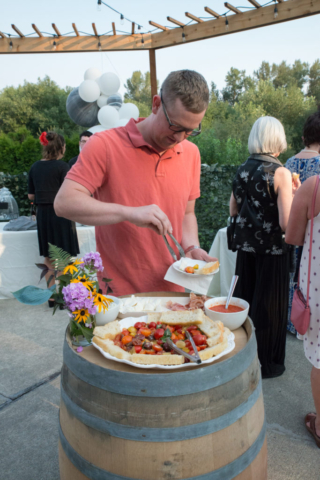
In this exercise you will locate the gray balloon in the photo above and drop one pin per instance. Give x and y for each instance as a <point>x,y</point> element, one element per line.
<point>82,113</point>
<point>115,101</point>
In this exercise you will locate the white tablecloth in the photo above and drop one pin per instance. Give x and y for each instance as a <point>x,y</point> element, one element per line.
<point>221,281</point>
<point>19,251</point>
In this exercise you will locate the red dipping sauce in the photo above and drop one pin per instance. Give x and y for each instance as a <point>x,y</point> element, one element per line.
<point>222,309</point>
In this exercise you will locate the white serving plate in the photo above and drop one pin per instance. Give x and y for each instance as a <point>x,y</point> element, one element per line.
<point>164,300</point>
<point>190,263</point>
<point>130,321</point>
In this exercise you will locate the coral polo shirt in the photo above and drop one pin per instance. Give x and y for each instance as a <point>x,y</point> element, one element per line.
<point>118,166</point>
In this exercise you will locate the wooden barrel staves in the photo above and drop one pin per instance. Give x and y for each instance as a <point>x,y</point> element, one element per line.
<point>202,423</point>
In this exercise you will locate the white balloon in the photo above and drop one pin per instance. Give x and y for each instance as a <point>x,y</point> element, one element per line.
<point>109,83</point>
<point>122,122</point>
<point>96,129</point>
<point>92,74</point>
<point>102,100</point>
<point>129,110</point>
<point>108,116</point>
<point>89,91</point>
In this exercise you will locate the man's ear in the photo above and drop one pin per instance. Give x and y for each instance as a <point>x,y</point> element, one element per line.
<point>156,104</point>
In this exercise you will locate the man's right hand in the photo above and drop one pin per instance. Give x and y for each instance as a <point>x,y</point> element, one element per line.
<point>150,216</point>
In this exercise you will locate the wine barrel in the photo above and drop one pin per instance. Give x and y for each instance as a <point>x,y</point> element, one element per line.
<point>200,423</point>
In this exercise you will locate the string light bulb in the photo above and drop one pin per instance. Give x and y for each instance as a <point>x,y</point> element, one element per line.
<point>227,24</point>
<point>275,12</point>
<point>142,40</point>
<point>183,37</point>
<point>122,19</point>
<point>54,45</point>
<point>99,46</point>
<point>99,5</point>
<point>139,27</point>
<point>10,45</point>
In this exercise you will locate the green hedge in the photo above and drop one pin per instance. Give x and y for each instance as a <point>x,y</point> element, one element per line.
<point>212,208</point>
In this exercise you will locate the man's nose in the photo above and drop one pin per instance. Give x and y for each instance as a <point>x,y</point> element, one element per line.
<point>179,136</point>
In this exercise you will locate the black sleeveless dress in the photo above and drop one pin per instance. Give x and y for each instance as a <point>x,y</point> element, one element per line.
<point>44,180</point>
<point>263,259</point>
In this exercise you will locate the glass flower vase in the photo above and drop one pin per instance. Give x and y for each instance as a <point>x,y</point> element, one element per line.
<point>82,334</point>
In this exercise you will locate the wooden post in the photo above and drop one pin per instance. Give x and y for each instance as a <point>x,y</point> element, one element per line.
<point>153,72</point>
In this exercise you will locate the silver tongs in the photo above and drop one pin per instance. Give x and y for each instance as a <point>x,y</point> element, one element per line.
<point>193,358</point>
<point>181,251</point>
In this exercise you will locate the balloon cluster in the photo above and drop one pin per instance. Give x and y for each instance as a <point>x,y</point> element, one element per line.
<point>97,100</point>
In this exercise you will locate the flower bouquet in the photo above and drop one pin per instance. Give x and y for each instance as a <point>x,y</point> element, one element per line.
<point>76,290</point>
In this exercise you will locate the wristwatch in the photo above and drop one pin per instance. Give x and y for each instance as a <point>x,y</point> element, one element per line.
<point>192,247</point>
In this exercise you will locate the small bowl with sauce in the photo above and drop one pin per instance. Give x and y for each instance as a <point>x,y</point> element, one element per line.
<point>232,318</point>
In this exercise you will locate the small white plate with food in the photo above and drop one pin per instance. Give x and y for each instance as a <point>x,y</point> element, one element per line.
<point>143,344</point>
<point>188,266</point>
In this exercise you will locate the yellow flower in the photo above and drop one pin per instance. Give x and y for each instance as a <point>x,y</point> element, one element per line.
<point>78,261</point>
<point>70,268</point>
<point>101,301</point>
<point>81,315</point>
<point>85,281</point>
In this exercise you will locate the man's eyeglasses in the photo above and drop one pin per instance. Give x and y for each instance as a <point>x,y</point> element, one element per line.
<point>178,128</point>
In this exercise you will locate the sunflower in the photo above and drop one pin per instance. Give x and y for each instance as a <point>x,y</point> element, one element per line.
<point>101,301</point>
<point>81,315</point>
<point>85,281</point>
<point>70,269</point>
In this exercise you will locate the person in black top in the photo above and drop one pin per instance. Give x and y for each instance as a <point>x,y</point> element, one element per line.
<point>44,180</point>
<point>261,199</point>
<point>84,137</point>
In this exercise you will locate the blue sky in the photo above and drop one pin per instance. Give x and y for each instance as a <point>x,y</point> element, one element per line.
<point>213,58</point>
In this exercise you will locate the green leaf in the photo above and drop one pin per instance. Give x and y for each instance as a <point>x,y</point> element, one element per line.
<point>31,295</point>
<point>86,332</point>
<point>167,334</point>
<point>59,258</point>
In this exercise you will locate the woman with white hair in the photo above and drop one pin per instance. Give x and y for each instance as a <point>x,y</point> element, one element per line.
<point>261,199</point>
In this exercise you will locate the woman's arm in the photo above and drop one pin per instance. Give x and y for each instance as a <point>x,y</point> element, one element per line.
<point>284,190</point>
<point>233,207</point>
<point>299,213</point>
<point>31,196</point>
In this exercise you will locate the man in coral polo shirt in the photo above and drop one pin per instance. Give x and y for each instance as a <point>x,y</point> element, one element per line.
<point>139,182</point>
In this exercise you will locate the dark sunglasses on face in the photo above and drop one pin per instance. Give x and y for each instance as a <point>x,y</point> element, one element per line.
<point>178,128</point>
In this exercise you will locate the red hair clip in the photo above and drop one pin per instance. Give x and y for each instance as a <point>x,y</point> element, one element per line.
<point>43,138</point>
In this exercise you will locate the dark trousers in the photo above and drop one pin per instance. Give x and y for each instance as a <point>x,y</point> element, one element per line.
<point>264,284</point>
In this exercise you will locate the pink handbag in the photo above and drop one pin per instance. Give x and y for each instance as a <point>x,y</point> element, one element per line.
<point>300,311</point>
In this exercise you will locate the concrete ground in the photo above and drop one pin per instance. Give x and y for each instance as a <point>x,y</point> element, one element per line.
<point>31,342</point>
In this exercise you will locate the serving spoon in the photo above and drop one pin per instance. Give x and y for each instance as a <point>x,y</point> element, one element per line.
<point>231,290</point>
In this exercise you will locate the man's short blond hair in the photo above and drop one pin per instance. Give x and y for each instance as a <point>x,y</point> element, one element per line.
<point>267,136</point>
<point>190,87</point>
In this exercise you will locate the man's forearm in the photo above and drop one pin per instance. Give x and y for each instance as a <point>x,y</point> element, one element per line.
<point>80,207</point>
<point>189,231</point>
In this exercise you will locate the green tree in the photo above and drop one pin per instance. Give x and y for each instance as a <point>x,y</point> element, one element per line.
<point>236,83</point>
<point>314,81</point>
<point>139,88</point>
<point>37,106</point>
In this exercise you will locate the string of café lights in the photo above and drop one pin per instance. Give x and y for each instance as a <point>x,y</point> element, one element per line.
<point>123,18</point>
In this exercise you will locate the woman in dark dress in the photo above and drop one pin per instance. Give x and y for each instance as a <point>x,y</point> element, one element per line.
<point>45,178</point>
<point>261,198</point>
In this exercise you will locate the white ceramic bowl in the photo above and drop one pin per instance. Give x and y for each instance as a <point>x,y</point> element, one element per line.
<point>110,314</point>
<point>230,320</point>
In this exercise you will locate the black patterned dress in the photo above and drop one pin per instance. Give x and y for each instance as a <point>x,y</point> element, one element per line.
<point>263,259</point>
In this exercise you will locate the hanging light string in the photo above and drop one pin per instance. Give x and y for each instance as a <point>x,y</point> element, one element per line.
<point>170,27</point>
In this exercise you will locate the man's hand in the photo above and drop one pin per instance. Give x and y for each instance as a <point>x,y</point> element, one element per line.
<point>200,254</point>
<point>150,216</point>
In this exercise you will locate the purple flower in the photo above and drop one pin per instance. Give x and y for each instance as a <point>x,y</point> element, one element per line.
<point>75,296</point>
<point>88,325</point>
<point>93,259</point>
<point>79,349</point>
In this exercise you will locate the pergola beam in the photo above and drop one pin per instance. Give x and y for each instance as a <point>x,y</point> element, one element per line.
<point>232,8</point>
<point>36,29</point>
<point>173,20</point>
<point>95,30</point>
<point>253,18</point>
<point>114,28</point>
<point>132,30</point>
<point>75,29</point>
<point>16,29</point>
<point>3,35</point>
<point>212,12</point>
<point>254,3</point>
<point>157,25</point>
<point>193,17</point>
<point>56,29</point>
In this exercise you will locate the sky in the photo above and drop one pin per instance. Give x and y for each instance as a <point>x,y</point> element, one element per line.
<point>213,58</point>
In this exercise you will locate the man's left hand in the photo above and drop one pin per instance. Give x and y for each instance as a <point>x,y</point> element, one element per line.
<point>200,254</point>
